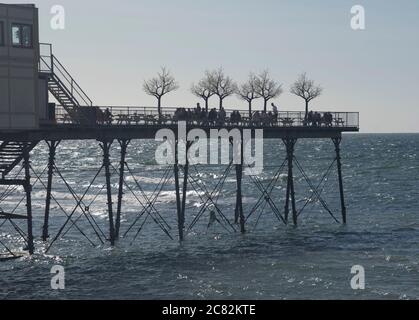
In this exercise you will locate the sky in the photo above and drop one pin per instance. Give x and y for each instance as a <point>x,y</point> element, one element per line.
<point>111,47</point>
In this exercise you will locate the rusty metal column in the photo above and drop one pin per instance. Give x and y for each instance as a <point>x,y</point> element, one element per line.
<point>124,145</point>
<point>52,145</point>
<point>28,191</point>
<point>106,145</point>
<point>337,142</point>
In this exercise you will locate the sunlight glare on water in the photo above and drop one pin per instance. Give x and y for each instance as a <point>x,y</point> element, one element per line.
<point>271,261</point>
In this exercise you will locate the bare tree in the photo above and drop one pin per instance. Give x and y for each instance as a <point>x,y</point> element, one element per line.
<point>160,86</point>
<point>221,85</point>
<point>203,90</point>
<point>306,89</point>
<point>267,88</point>
<point>248,91</point>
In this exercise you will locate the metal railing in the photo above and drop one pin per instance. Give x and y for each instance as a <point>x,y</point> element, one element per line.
<point>135,116</point>
<point>48,63</point>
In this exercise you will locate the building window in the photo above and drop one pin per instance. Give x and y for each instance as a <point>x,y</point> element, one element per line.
<point>22,35</point>
<point>1,33</point>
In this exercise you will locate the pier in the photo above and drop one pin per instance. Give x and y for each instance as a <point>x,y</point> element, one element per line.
<point>74,117</point>
<point>16,146</point>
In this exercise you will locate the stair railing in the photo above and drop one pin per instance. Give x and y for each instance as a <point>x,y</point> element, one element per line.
<point>48,63</point>
<point>74,88</point>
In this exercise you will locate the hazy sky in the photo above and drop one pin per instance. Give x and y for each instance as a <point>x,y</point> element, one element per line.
<point>112,46</point>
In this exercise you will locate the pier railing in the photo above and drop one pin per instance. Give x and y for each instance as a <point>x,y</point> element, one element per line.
<point>135,116</point>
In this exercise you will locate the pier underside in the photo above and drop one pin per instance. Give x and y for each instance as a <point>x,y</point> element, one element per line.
<point>76,132</point>
<point>183,175</point>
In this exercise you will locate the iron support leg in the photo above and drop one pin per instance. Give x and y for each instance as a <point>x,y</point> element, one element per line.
<point>180,217</point>
<point>184,191</point>
<point>51,162</point>
<point>181,201</point>
<point>178,201</point>
<point>124,145</point>
<point>290,145</point>
<point>237,210</point>
<point>28,190</point>
<point>337,142</point>
<point>287,200</point>
<point>239,198</point>
<point>239,214</point>
<point>106,145</point>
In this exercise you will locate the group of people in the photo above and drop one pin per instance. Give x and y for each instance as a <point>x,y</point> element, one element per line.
<point>219,117</point>
<point>104,117</point>
<point>201,116</point>
<point>315,119</point>
<point>235,117</point>
<point>264,118</point>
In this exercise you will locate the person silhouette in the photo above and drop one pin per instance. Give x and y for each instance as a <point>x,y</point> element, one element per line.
<point>274,108</point>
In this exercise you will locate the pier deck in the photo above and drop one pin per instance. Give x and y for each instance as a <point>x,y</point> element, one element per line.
<point>143,123</point>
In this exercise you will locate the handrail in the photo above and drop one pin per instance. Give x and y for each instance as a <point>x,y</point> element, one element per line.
<point>75,87</point>
<point>57,69</point>
<point>49,65</point>
<point>125,115</point>
<point>67,91</point>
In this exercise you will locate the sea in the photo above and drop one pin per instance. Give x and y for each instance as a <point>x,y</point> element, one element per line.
<point>321,258</point>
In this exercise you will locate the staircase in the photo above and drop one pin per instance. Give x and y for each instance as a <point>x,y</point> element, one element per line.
<point>62,85</point>
<point>64,89</point>
<point>11,154</point>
